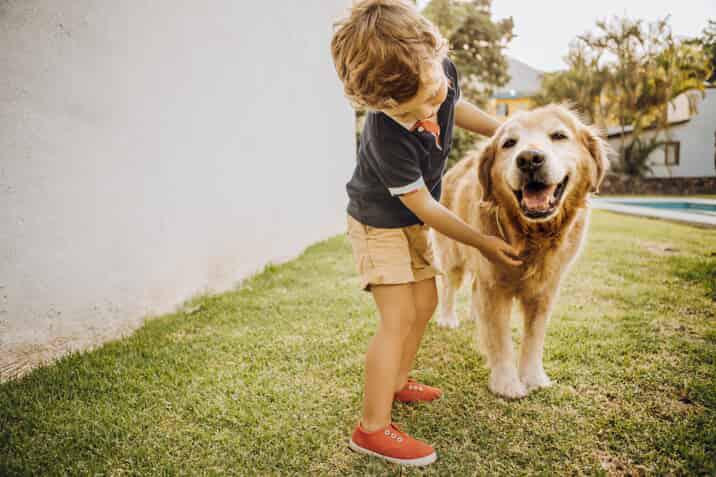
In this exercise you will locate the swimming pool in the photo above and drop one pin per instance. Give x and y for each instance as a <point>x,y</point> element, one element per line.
<point>686,206</point>
<point>700,212</point>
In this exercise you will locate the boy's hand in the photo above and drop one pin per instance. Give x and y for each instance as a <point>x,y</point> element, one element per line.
<point>437,216</point>
<point>497,250</point>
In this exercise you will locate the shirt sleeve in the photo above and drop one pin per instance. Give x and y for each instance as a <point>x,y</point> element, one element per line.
<point>397,166</point>
<point>452,73</point>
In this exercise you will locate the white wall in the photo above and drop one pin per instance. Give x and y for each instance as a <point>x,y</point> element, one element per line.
<point>153,150</point>
<point>678,109</point>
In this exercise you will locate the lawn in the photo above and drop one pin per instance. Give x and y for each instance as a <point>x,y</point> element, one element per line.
<point>266,379</point>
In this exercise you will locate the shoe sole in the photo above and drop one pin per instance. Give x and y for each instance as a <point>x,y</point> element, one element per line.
<point>418,400</point>
<point>419,462</point>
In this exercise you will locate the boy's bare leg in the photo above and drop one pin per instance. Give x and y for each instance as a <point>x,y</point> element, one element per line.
<point>425,298</point>
<point>397,315</point>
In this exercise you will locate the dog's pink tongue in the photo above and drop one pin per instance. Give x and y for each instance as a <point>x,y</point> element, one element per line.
<point>538,198</point>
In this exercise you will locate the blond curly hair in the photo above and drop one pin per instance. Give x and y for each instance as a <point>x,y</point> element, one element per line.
<point>379,51</point>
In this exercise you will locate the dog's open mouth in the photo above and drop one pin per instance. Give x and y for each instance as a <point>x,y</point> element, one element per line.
<point>539,200</point>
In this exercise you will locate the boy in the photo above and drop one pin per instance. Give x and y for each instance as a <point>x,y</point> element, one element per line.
<point>393,62</point>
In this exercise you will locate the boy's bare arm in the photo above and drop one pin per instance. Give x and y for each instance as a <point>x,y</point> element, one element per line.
<point>472,118</point>
<point>442,219</point>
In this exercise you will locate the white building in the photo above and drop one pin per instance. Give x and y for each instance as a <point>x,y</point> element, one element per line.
<point>149,154</point>
<point>691,147</point>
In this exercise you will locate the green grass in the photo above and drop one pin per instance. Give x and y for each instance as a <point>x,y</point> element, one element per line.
<point>267,379</point>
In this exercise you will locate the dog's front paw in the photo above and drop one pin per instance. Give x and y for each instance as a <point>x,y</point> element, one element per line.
<point>535,379</point>
<point>448,320</point>
<point>504,382</point>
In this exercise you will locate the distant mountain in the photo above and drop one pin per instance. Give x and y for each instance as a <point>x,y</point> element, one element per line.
<point>524,80</point>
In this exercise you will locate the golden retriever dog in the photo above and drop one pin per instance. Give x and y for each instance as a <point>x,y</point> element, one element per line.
<point>530,186</point>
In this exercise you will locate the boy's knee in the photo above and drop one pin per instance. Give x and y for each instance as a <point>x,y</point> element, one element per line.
<point>401,323</point>
<point>408,319</point>
<point>425,308</point>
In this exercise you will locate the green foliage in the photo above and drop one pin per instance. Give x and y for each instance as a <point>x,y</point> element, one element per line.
<point>463,141</point>
<point>707,41</point>
<point>580,85</point>
<point>634,161</point>
<point>476,42</point>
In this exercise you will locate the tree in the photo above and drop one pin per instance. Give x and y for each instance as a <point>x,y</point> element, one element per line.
<point>707,41</point>
<point>581,84</point>
<point>477,43</point>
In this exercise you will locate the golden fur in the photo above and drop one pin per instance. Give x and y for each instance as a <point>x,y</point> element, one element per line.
<point>478,189</point>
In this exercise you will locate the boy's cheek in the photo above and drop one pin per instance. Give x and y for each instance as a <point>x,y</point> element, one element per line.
<point>428,111</point>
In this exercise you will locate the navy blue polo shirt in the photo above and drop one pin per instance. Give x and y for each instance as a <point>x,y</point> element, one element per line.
<point>393,160</point>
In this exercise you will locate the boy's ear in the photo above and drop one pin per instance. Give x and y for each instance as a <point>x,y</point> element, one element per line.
<point>484,169</point>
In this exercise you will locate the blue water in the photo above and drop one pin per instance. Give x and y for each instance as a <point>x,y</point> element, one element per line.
<point>687,207</point>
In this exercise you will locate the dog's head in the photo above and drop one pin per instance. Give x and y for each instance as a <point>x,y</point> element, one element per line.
<point>537,160</point>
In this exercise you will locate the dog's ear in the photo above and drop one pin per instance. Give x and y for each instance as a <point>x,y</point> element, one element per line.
<point>484,168</point>
<point>599,149</point>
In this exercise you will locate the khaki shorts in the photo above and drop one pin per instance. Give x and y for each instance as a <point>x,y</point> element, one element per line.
<point>391,256</point>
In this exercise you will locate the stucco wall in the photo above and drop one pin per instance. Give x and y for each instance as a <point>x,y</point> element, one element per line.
<point>150,151</point>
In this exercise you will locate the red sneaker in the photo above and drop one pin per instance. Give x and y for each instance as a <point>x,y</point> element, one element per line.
<point>393,445</point>
<point>415,391</point>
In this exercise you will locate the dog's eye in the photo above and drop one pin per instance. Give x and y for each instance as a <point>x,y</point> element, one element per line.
<point>558,136</point>
<point>509,143</point>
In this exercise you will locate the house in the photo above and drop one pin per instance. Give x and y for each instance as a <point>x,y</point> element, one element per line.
<point>690,149</point>
<point>517,93</point>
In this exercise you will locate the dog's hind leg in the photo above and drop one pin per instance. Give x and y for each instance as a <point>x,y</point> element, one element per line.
<point>474,298</point>
<point>449,285</point>
<point>475,315</point>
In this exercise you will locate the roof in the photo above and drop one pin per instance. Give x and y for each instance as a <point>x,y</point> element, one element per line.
<point>524,80</point>
<point>616,130</point>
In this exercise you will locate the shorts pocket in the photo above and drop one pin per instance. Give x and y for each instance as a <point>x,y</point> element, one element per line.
<point>358,237</point>
<point>387,247</point>
<point>422,245</point>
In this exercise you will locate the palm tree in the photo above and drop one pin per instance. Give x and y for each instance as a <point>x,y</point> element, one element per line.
<point>581,84</point>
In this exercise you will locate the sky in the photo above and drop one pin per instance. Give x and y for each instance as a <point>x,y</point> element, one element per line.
<point>544,28</point>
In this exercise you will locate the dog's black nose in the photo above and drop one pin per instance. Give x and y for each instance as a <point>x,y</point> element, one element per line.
<point>530,160</point>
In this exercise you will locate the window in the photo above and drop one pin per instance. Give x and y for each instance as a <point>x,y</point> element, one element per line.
<point>671,153</point>
<point>502,109</point>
